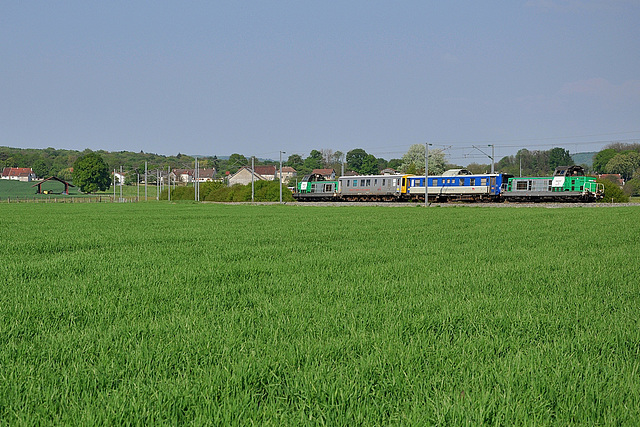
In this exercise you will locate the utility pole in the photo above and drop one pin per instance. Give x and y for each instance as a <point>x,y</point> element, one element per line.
<point>492,158</point>
<point>426,174</point>
<point>121,184</point>
<point>138,182</point>
<point>114,185</point>
<point>145,181</point>
<point>281,153</point>
<point>252,173</point>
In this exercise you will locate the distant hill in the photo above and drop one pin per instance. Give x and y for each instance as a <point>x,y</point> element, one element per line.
<point>584,158</point>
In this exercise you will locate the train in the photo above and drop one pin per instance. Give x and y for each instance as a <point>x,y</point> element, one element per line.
<point>568,184</point>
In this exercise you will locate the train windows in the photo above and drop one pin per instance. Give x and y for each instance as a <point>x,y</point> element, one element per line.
<point>375,181</point>
<point>461,182</point>
<point>348,181</point>
<point>483,181</point>
<point>362,183</point>
<point>521,185</point>
<point>355,182</point>
<point>383,182</point>
<point>368,182</point>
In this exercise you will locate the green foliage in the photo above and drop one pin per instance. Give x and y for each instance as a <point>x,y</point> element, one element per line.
<point>313,161</point>
<point>355,159</point>
<point>601,159</point>
<point>91,173</point>
<point>264,191</point>
<point>295,161</point>
<point>612,192</point>
<point>414,160</point>
<point>625,163</point>
<point>559,157</point>
<point>632,187</point>
<point>394,164</point>
<point>40,168</point>
<point>535,163</point>
<point>203,314</point>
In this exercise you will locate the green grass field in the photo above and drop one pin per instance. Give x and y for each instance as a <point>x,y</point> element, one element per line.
<point>25,190</point>
<point>215,314</point>
<point>12,189</point>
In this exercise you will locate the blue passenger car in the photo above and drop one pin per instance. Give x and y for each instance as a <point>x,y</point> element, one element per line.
<point>458,184</point>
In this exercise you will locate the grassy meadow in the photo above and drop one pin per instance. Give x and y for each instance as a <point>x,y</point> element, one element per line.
<point>226,314</point>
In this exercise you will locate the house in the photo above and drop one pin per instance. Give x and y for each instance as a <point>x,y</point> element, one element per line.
<point>268,172</point>
<point>388,171</point>
<point>206,175</point>
<point>18,174</point>
<point>243,176</point>
<point>288,173</point>
<point>181,176</point>
<point>120,177</point>
<point>327,174</point>
<point>616,178</point>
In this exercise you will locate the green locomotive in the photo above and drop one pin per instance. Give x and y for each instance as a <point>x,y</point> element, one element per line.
<point>314,188</point>
<point>568,184</point>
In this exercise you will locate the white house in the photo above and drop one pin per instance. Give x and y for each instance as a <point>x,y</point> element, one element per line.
<point>120,177</point>
<point>288,173</point>
<point>18,174</point>
<point>243,176</point>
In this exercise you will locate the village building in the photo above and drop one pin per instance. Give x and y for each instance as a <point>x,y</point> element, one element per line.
<point>616,178</point>
<point>243,176</point>
<point>327,174</point>
<point>288,173</point>
<point>120,177</point>
<point>18,174</point>
<point>187,176</point>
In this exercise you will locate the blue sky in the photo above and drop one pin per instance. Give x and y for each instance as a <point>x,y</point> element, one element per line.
<point>257,77</point>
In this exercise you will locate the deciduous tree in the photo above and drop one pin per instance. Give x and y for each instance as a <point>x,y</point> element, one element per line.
<point>91,173</point>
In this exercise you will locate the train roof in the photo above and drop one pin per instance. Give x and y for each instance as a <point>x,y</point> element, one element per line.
<point>374,176</point>
<point>456,172</point>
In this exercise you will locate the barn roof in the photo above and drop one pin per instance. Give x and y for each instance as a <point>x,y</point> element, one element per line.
<point>54,179</point>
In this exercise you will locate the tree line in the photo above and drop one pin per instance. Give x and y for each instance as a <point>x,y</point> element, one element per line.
<point>615,158</point>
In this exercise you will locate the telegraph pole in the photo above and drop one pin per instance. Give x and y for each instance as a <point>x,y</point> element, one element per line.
<point>252,173</point>
<point>426,174</point>
<point>145,181</point>
<point>121,184</point>
<point>281,153</point>
<point>492,158</point>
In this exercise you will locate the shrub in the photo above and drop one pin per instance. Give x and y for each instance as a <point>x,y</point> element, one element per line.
<point>613,193</point>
